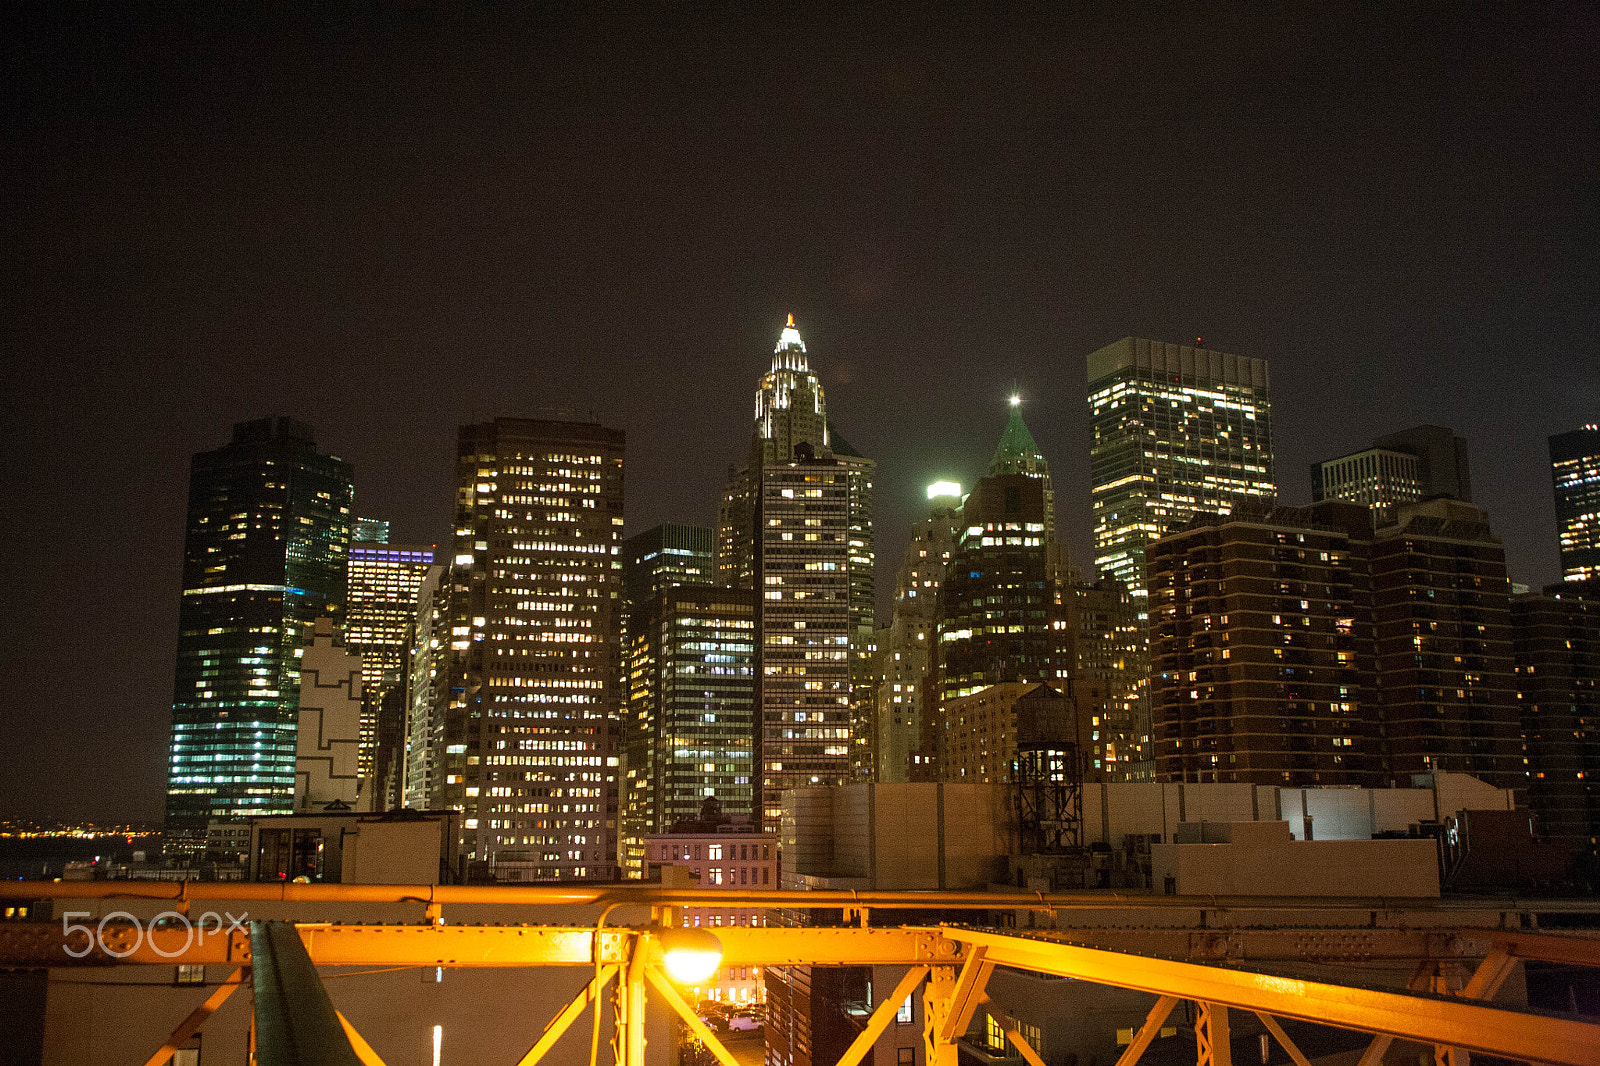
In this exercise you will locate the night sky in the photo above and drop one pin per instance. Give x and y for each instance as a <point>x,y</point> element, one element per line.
<point>387,223</point>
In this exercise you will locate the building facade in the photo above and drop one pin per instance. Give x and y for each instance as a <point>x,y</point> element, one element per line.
<point>1414,464</point>
<point>905,651</point>
<point>1300,646</point>
<point>691,712</point>
<point>428,691</point>
<point>264,557</point>
<point>661,557</point>
<point>998,604</point>
<point>816,623</point>
<point>1177,430</point>
<point>796,524</point>
<point>1261,649</point>
<point>730,860</point>
<point>328,735</point>
<point>1575,476</point>
<point>380,611</point>
<point>1441,618</point>
<point>1108,684</point>
<point>1556,648</point>
<point>530,722</point>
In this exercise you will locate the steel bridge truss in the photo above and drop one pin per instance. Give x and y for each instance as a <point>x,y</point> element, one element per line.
<point>294,1021</point>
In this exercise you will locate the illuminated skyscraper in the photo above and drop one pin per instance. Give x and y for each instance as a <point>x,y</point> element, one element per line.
<point>796,524</point>
<point>690,658</point>
<point>998,603</point>
<point>661,557</point>
<point>906,652</point>
<point>264,557</point>
<point>428,693</point>
<point>529,732</point>
<point>691,712</point>
<point>1017,453</point>
<point>381,608</point>
<point>1575,472</point>
<point>1177,430</point>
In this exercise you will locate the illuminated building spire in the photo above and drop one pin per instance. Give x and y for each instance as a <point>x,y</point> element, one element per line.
<point>1018,453</point>
<point>790,407</point>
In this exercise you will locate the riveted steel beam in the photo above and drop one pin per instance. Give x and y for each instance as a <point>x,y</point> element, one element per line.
<point>1443,1020</point>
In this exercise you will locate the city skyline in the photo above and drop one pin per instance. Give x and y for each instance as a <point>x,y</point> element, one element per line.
<point>1392,208</point>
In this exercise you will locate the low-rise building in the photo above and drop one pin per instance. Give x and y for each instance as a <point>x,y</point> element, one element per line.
<point>735,858</point>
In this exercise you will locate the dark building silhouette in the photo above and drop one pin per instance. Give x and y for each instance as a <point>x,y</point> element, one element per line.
<point>1442,636</point>
<point>1556,648</point>
<point>1414,464</point>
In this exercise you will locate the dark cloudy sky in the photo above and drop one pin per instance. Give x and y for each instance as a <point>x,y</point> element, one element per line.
<point>389,222</point>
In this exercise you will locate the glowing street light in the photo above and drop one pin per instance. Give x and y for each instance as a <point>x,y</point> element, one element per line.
<point>690,955</point>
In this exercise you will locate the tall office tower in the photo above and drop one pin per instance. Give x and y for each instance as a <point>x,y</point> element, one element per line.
<point>906,650</point>
<point>1441,629</point>
<point>691,712</point>
<point>998,605</point>
<point>264,557</point>
<point>1017,453</point>
<point>1575,473</point>
<point>369,531</point>
<point>427,691</point>
<point>1414,464</point>
<point>380,611</point>
<point>816,622</point>
<point>796,523</point>
<point>535,619</point>
<point>1556,647</point>
<point>1177,430</point>
<point>661,557</point>
<point>791,411</point>
<point>1261,648</point>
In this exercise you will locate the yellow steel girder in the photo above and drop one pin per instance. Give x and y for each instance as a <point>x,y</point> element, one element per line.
<point>1444,1021</point>
<point>1439,1020</point>
<point>36,944</point>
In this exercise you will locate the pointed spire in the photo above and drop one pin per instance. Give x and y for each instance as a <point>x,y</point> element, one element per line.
<point>790,339</point>
<point>791,320</point>
<point>1017,445</point>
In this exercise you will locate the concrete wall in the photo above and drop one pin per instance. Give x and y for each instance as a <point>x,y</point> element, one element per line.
<point>393,853</point>
<point>1113,811</point>
<point>897,836</point>
<point>1359,868</point>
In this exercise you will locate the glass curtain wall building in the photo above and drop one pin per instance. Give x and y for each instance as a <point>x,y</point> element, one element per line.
<point>1177,430</point>
<point>264,556</point>
<point>691,713</point>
